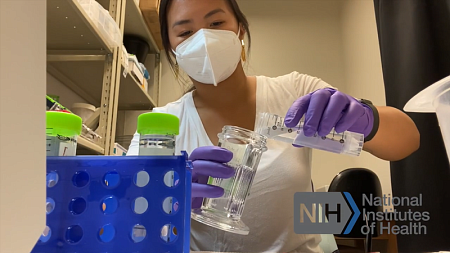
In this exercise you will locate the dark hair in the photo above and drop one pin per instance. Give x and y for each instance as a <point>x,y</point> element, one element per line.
<point>164,8</point>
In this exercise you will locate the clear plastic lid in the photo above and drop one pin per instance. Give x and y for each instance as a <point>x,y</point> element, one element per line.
<point>272,126</point>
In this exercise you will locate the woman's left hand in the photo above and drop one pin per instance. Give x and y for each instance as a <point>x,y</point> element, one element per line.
<point>328,108</point>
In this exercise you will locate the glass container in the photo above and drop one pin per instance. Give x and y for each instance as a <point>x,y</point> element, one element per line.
<point>225,212</point>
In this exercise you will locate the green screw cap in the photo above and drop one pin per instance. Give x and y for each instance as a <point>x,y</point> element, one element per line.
<point>63,123</point>
<point>158,123</point>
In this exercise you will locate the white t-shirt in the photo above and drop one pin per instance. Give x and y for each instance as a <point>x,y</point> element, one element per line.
<point>283,171</point>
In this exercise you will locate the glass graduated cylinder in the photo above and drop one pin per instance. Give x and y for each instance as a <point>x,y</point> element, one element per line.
<point>157,145</point>
<point>272,126</point>
<point>59,145</point>
<point>236,190</point>
<point>225,212</point>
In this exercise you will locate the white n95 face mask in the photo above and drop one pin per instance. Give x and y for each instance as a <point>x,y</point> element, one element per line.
<point>210,56</point>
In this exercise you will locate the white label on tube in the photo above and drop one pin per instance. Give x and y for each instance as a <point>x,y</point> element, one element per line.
<point>60,146</point>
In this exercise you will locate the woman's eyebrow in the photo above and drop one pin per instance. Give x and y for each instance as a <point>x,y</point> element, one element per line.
<point>182,22</point>
<point>214,12</point>
<point>186,21</point>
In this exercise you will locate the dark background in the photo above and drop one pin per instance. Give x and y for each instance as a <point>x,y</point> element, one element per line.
<point>414,38</point>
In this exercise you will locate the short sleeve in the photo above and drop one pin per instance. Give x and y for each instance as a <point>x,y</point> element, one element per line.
<point>133,149</point>
<point>304,84</point>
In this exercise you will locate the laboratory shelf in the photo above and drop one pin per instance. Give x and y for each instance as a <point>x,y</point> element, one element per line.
<point>132,96</point>
<point>70,28</point>
<point>79,56</point>
<point>135,25</point>
<point>85,78</point>
<point>86,146</point>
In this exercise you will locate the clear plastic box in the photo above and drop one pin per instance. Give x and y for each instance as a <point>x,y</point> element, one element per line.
<point>272,126</point>
<point>103,21</point>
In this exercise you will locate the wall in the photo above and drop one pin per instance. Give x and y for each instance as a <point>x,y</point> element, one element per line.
<point>363,71</point>
<point>22,122</point>
<point>66,96</point>
<point>301,36</point>
<point>170,89</point>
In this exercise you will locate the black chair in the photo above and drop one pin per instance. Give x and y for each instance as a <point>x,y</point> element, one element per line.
<point>359,182</point>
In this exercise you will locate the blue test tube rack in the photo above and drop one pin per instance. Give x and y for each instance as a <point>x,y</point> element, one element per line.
<point>100,204</point>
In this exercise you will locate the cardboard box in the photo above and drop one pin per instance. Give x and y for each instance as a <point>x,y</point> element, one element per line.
<point>136,72</point>
<point>119,150</point>
<point>150,11</point>
<point>145,86</point>
<point>124,59</point>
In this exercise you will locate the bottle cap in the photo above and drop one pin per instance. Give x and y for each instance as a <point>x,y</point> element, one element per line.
<point>158,123</point>
<point>63,123</point>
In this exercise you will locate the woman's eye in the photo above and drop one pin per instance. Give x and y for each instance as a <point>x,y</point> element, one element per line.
<point>216,23</point>
<point>184,34</point>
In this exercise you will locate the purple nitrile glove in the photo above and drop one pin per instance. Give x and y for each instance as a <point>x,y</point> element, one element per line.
<point>209,162</point>
<point>327,109</point>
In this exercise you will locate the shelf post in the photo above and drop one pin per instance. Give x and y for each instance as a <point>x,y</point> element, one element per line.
<point>157,74</point>
<point>117,11</point>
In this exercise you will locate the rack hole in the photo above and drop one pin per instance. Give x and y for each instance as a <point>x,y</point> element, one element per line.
<point>170,205</point>
<point>107,233</point>
<point>138,233</point>
<point>45,236</point>
<point>50,205</point>
<point>77,206</point>
<point>52,179</point>
<point>141,179</point>
<point>112,179</point>
<point>140,205</point>
<point>171,179</point>
<point>169,233</point>
<point>109,205</point>
<point>74,234</point>
<point>80,179</point>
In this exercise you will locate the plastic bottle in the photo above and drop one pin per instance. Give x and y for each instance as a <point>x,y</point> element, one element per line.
<point>62,131</point>
<point>157,133</point>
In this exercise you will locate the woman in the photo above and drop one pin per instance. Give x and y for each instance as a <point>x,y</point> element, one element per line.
<point>203,38</point>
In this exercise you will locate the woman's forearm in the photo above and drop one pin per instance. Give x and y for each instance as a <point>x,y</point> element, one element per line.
<point>397,135</point>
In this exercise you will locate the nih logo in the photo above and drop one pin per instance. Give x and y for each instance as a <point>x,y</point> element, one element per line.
<point>324,213</point>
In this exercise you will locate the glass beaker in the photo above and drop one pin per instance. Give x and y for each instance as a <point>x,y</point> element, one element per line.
<point>225,212</point>
<point>62,131</point>
<point>157,133</point>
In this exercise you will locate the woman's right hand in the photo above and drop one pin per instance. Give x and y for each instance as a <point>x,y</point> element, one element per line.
<point>209,161</point>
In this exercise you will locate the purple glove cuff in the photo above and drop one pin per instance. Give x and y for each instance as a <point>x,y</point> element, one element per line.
<point>364,125</point>
<point>328,108</point>
<point>374,121</point>
<point>368,124</point>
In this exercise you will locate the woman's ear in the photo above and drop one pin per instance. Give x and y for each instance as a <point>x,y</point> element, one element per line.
<point>242,32</point>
